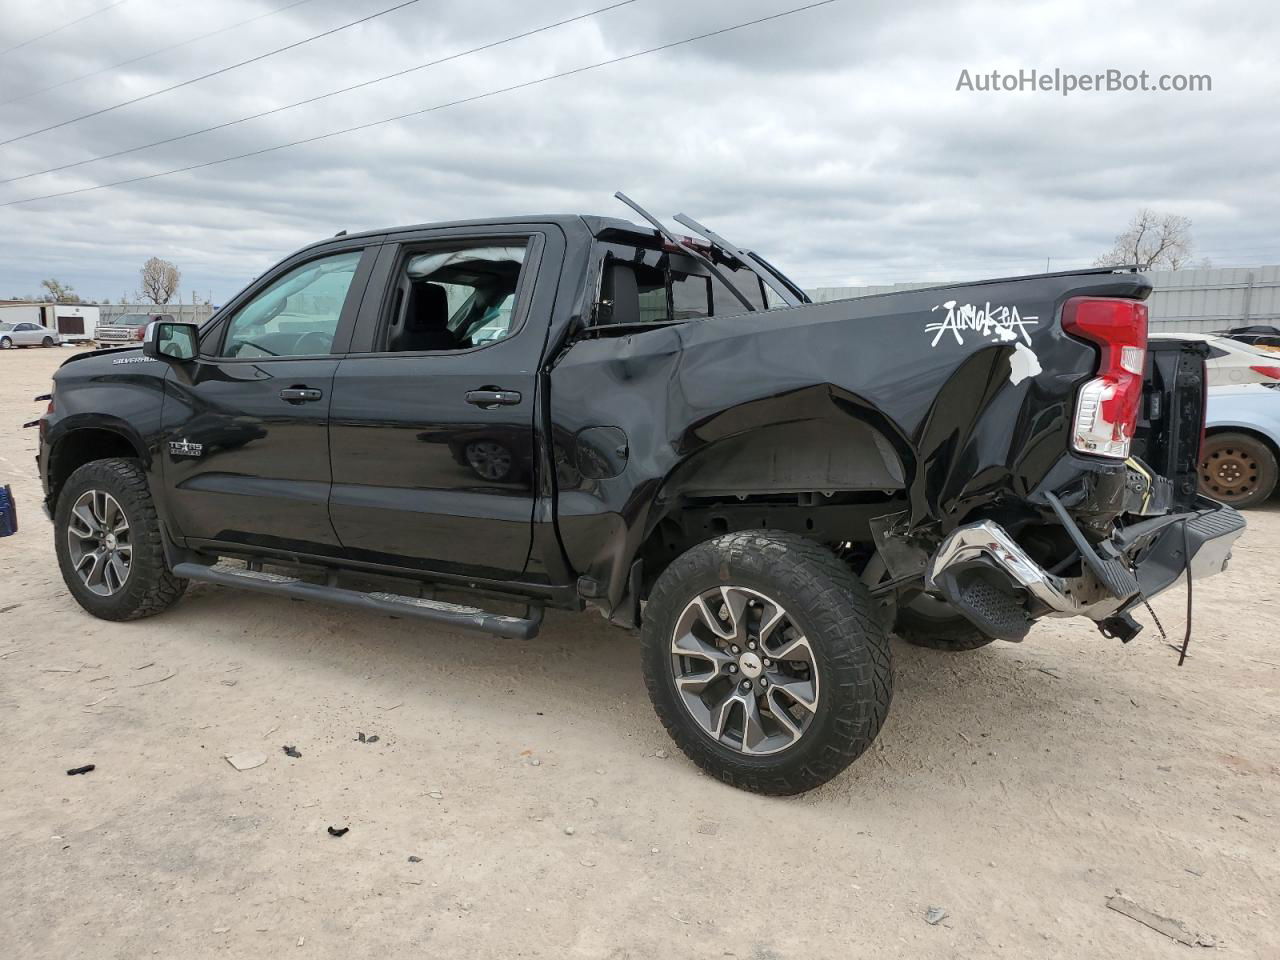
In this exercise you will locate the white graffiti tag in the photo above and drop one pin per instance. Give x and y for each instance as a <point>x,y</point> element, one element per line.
<point>999,323</point>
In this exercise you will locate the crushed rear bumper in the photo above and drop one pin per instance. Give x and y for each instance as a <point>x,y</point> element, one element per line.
<point>982,571</point>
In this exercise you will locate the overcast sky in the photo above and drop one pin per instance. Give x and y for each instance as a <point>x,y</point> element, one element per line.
<point>833,140</point>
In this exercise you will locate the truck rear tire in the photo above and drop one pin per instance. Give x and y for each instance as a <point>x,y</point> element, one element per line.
<point>954,634</point>
<point>1237,469</point>
<point>765,661</point>
<point>108,541</point>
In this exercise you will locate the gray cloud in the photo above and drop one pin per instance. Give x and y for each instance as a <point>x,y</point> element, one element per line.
<point>833,140</point>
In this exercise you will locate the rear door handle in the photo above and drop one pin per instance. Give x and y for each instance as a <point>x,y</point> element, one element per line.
<point>493,398</point>
<point>300,394</point>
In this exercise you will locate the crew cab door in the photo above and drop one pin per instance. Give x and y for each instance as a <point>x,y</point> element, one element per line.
<point>246,424</point>
<point>432,422</point>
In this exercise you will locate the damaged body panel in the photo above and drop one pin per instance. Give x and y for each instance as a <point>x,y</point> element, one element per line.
<point>577,411</point>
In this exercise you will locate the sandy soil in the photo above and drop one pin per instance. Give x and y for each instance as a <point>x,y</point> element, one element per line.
<point>1017,787</point>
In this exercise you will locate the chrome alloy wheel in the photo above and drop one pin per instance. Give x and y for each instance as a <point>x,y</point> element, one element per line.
<point>98,541</point>
<point>744,670</point>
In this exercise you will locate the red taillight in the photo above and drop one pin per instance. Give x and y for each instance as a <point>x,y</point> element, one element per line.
<point>1107,406</point>
<point>1272,372</point>
<point>140,333</point>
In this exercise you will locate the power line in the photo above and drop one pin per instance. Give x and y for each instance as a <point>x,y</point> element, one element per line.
<point>440,106</point>
<point>145,56</point>
<point>221,70</point>
<point>324,96</point>
<point>50,33</point>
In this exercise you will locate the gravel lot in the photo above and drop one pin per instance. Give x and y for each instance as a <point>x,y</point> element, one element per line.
<point>1017,786</point>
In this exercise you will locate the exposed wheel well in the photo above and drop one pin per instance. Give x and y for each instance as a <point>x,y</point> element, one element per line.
<point>838,518</point>
<point>84,446</point>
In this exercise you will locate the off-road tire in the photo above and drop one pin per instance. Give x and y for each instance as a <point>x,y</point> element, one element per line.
<point>836,614</point>
<point>150,587</point>
<point>953,634</point>
<point>1255,464</point>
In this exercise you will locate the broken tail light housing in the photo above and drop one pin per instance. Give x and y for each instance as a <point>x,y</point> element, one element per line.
<point>1107,406</point>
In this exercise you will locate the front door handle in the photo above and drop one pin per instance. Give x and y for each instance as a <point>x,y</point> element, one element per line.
<point>493,398</point>
<point>300,394</point>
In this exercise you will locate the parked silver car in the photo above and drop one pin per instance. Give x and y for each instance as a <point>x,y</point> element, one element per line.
<point>27,334</point>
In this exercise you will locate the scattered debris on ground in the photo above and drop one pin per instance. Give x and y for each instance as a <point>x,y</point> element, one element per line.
<point>246,761</point>
<point>413,859</point>
<point>85,769</point>
<point>338,831</point>
<point>146,683</point>
<point>363,739</point>
<point>935,915</point>
<point>1173,929</point>
<point>292,752</point>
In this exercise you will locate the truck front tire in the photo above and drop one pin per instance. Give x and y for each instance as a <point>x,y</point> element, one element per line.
<point>765,661</point>
<point>108,540</point>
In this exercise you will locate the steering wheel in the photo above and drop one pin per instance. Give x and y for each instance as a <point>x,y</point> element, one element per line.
<point>314,341</point>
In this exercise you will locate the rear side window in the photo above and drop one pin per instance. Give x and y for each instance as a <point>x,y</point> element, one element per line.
<point>672,286</point>
<point>456,297</point>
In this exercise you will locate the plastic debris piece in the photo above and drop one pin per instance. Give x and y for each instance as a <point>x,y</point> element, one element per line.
<point>246,761</point>
<point>85,769</point>
<point>1171,928</point>
<point>292,752</point>
<point>935,915</point>
<point>338,831</point>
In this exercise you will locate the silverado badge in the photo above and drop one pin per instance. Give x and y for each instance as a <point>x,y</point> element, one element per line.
<point>182,448</point>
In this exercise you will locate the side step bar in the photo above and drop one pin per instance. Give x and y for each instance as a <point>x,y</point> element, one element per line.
<point>451,615</point>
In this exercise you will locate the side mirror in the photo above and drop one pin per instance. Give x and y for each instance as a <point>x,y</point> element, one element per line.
<point>166,340</point>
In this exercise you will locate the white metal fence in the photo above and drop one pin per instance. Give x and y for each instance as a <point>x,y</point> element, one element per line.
<point>183,312</point>
<point>1182,301</point>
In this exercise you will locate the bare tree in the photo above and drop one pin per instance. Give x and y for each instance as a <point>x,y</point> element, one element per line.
<point>1152,240</point>
<point>159,280</point>
<point>59,292</point>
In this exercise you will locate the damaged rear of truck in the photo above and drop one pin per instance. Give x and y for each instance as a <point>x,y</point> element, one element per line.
<point>977,457</point>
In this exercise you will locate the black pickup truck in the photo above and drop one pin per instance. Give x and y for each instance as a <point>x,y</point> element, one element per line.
<point>580,412</point>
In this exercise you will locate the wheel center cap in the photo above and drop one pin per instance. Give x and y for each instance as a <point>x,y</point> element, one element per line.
<point>111,541</point>
<point>750,665</point>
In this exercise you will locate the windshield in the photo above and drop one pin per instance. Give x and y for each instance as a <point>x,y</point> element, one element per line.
<point>133,318</point>
<point>6,326</point>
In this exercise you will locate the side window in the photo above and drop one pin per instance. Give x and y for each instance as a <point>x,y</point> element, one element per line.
<point>671,286</point>
<point>454,298</point>
<point>297,315</point>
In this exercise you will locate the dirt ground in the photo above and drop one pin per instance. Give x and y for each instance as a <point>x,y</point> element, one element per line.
<point>1017,787</point>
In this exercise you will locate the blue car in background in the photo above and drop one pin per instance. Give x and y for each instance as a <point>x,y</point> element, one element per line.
<point>1242,444</point>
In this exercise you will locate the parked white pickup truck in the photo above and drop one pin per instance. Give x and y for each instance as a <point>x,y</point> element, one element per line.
<point>126,330</point>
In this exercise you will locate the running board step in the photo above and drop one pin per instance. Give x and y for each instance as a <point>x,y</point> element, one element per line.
<point>446,614</point>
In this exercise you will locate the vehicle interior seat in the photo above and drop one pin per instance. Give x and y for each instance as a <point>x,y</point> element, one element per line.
<point>621,291</point>
<point>426,321</point>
